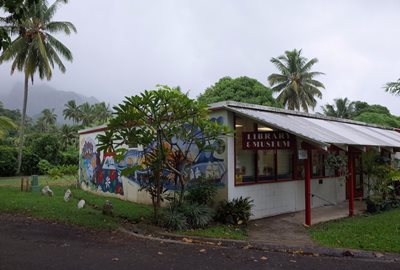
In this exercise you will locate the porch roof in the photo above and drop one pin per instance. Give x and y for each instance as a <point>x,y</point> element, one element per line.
<point>318,129</point>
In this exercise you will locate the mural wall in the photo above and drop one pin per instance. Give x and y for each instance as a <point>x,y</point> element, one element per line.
<point>99,171</point>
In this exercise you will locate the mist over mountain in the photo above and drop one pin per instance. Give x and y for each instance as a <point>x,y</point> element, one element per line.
<point>42,96</point>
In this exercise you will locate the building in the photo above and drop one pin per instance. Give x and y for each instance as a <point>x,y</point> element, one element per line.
<point>277,158</point>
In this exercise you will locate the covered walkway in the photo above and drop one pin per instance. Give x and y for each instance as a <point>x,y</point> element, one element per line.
<point>289,229</point>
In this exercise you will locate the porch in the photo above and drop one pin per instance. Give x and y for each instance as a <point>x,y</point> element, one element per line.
<point>289,230</point>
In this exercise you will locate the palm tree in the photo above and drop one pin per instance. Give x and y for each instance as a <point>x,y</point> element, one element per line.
<point>87,115</point>
<point>36,50</point>
<point>101,112</point>
<point>72,111</point>
<point>343,108</point>
<point>295,83</point>
<point>68,135</point>
<point>393,87</point>
<point>49,117</point>
<point>6,124</point>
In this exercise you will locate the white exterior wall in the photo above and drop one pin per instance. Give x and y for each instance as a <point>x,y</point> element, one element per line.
<point>281,197</point>
<point>284,197</point>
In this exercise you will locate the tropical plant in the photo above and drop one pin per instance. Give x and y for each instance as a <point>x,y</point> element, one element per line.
<point>169,124</point>
<point>87,117</point>
<point>242,89</point>
<point>296,83</point>
<point>342,108</point>
<point>6,125</point>
<point>202,192</point>
<point>235,212</point>
<point>393,87</point>
<point>101,112</point>
<point>72,111</point>
<point>36,50</point>
<point>68,135</point>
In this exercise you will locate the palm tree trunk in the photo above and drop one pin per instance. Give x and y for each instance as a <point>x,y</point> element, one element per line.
<point>22,127</point>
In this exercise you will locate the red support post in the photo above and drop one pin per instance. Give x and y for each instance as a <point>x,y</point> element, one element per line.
<point>350,179</point>
<point>307,187</point>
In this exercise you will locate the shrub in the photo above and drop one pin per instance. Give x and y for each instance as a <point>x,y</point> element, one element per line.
<point>8,161</point>
<point>197,215</point>
<point>44,166</point>
<point>30,163</point>
<point>236,212</point>
<point>55,172</point>
<point>202,193</point>
<point>174,220</point>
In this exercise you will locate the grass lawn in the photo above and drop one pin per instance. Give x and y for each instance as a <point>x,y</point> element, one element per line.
<point>219,231</point>
<point>379,232</point>
<point>12,200</point>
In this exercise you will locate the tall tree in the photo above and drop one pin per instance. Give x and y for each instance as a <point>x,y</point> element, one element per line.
<point>101,112</point>
<point>393,87</point>
<point>342,108</point>
<point>6,124</point>
<point>68,135</point>
<point>296,82</point>
<point>72,111</point>
<point>242,89</point>
<point>36,50</point>
<point>86,116</point>
<point>49,117</point>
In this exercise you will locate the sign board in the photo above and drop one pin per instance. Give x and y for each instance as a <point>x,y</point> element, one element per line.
<point>302,154</point>
<point>266,140</point>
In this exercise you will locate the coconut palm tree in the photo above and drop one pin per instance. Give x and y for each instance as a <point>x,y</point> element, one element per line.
<point>87,115</point>
<point>296,82</point>
<point>393,87</point>
<point>342,108</point>
<point>36,50</point>
<point>49,117</point>
<point>71,111</point>
<point>6,124</point>
<point>101,112</point>
<point>68,135</point>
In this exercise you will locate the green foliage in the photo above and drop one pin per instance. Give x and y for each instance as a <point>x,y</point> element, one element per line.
<point>379,119</point>
<point>235,212</point>
<point>337,163</point>
<point>202,192</point>
<point>157,119</point>
<point>174,220</point>
<point>44,166</point>
<point>186,216</point>
<point>342,108</point>
<point>295,82</point>
<point>371,232</point>
<point>30,163</point>
<point>47,146</point>
<point>393,87</point>
<point>70,156</point>
<point>8,161</point>
<point>242,89</point>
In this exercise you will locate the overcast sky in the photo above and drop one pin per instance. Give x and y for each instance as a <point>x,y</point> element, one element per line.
<point>124,46</point>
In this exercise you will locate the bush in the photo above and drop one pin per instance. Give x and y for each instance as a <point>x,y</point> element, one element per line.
<point>197,215</point>
<point>187,216</point>
<point>8,161</point>
<point>44,167</point>
<point>174,220</point>
<point>236,212</point>
<point>202,193</point>
<point>70,156</point>
<point>30,162</point>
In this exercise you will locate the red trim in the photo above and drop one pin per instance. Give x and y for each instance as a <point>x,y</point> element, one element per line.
<point>307,188</point>
<point>350,180</point>
<point>93,130</point>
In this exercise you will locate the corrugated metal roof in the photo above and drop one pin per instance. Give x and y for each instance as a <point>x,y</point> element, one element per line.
<point>317,128</point>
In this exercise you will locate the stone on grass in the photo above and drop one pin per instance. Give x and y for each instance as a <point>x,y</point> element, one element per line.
<point>67,195</point>
<point>47,191</point>
<point>81,204</point>
<point>108,208</point>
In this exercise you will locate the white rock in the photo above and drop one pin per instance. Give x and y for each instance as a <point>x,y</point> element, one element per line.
<point>81,204</point>
<point>47,191</point>
<point>67,195</point>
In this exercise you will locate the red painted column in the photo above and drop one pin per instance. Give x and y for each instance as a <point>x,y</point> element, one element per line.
<point>307,187</point>
<point>350,179</point>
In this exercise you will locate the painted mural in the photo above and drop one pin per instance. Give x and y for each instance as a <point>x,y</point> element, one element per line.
<point>100,171</point>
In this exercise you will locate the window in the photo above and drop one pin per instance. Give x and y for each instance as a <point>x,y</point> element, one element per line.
<point>252,165</point>
<point>317,163</point>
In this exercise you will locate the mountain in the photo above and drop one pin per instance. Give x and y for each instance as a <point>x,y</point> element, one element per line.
<point>42,96</point>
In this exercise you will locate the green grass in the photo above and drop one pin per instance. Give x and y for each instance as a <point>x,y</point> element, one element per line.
<point>12,200</point>
<point>379,232</point>
<point>219,231</point>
